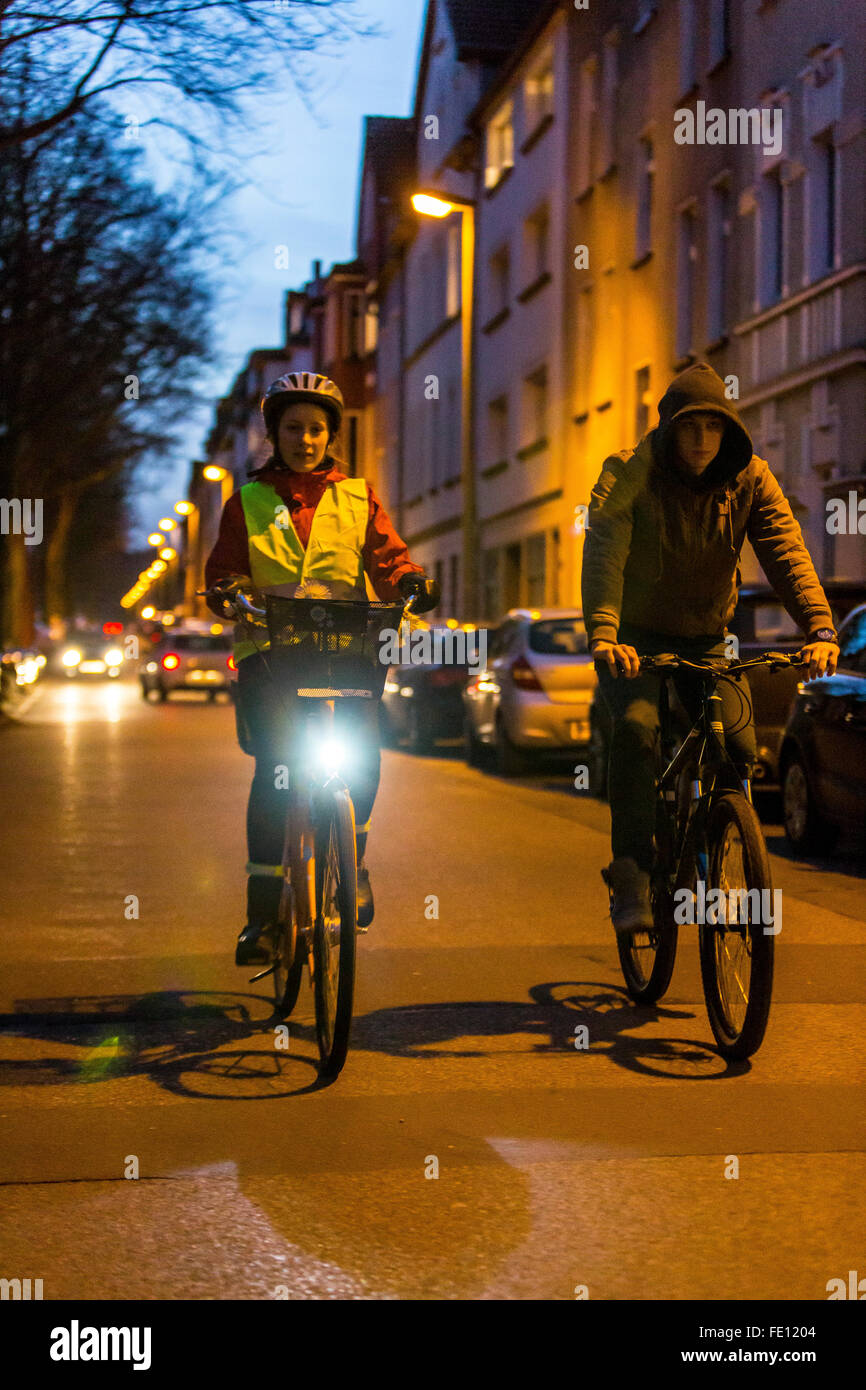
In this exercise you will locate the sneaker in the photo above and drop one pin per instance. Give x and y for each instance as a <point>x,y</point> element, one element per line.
<point>365,899</point>
<point>251,950</point>
<point>629,888</point>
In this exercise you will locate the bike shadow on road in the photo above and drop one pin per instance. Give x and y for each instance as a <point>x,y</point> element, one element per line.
<point>225,1046</point>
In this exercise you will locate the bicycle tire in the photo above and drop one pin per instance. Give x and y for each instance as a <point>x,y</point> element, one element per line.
<point>335,924</point>
<point>647,958</point>
<point>737,1038</point>
<point>288,955</point>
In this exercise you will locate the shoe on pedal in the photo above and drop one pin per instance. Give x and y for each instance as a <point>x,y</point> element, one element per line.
<point>251,949</point>
<point>365,899</point>
<point>629,888</point>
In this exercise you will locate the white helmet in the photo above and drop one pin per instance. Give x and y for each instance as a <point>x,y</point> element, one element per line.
<point>303,386</point>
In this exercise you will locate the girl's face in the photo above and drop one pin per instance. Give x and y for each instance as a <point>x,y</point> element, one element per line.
<point>302,436</point>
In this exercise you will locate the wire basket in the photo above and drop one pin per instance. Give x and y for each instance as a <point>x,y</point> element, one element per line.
<point>330,647</point>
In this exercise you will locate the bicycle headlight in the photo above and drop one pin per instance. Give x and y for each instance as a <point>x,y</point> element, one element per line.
<point>329,756</point>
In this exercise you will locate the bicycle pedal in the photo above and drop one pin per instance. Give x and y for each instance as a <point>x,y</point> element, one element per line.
<point>268,970</point>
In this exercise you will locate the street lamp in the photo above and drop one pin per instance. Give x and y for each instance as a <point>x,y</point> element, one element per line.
<point>430,203</point>
<point>156,538</point>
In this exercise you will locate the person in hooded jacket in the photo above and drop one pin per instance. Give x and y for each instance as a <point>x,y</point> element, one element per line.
<point>302,527</point>
<point>667,521</point>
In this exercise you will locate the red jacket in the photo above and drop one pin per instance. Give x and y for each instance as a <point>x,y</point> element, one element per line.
<point>386,556</point>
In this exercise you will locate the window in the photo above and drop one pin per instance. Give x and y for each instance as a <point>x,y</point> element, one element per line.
<point>822,195</point>
<point>535,569</point>
<point>559,636</point>
<point>371,327</point>
<point>535,399</point>
<point>586,123</point>
<point>645,13</point>
<point>720,30</point>
<point>330,345</point>
<point>452,287</point>
<point>772,233</point>
<point>491,586</point>
<point>538,92</point>
<point>609,81</point>
<point>353,305</point>
<point>296,318</point>
<point>536,237</point>
<point>687,252</point>
<point>497,430</point>
<point>583,346</point>
<point>454,582</point>
<point>718,259</point>
<point>688,46</point>
<point>500,275</point>
<point>438,571</point>
<point>500,145</point>
<point>643,402</point>
<point>511,574</point>
<point>646,169</point>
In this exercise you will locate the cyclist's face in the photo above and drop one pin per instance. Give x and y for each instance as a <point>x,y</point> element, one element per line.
<point>697,440</point>
<point>302,436</point>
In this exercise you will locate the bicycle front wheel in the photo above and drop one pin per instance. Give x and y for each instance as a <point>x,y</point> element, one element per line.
<point>335,926</point>
<point>737,951</point>
<point>288,955</point>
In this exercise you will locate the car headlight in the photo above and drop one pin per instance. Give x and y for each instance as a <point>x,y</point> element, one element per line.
<point>72,657</point>
<point>114,657</point>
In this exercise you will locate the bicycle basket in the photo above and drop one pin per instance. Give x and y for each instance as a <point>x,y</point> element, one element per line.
<point>331,647</point>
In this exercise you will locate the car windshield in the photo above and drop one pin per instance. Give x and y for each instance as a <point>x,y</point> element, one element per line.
<point>852,639</point>
<point>558,637</point>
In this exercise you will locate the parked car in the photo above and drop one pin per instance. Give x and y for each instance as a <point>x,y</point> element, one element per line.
<point>422,703</point>
<point>760,623</point>
<point>91,655</point>
<point>533,696</point>
<point>823,752</point>
<point>189,660</point>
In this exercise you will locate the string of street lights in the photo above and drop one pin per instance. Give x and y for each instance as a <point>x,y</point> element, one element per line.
<point>164,553</point>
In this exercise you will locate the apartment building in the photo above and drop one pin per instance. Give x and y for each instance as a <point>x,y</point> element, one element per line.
<point>712,231</point>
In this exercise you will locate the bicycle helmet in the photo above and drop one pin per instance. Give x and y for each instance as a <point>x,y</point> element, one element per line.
<point>303,386</point>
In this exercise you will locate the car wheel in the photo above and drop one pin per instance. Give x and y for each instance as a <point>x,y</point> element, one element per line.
<point>473,748</point>
<point>420,739</point>
<point>510,761</point>
<point>144,691</point>
<point>807,833</point>
<point>162,694</point>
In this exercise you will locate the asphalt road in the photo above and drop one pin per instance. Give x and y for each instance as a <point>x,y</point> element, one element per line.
<point>133,1044</point>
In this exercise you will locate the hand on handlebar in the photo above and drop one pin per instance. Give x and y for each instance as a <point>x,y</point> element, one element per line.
<point>820,657</point>
<point>618,655</point>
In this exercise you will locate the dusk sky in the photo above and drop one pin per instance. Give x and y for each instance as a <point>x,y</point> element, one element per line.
<point>302,194</point>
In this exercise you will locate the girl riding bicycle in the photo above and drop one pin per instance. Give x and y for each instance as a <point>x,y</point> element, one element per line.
<point>302,527</point>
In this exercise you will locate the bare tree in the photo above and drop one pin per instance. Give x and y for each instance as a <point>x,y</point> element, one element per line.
<point>201,56</point>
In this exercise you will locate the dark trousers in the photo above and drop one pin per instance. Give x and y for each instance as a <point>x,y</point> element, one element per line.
<point>270,721</point>
<point>634,710</point>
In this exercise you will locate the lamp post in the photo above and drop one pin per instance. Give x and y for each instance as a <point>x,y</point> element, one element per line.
<point>432,204</point>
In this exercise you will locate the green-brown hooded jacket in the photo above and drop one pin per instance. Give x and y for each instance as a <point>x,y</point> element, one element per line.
<point>662,549</point>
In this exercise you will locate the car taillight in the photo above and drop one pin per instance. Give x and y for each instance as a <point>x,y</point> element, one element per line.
<point>232,664</point>
<point>523,675</point>
<point>170,661</point>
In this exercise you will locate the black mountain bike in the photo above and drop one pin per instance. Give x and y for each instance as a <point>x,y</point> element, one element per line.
<point>710,865</point>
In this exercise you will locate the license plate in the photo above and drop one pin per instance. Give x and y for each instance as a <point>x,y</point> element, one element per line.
<point>213,677</point>
<point>579,730</point>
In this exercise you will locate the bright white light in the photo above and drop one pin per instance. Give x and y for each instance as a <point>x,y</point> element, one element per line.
<point>330,756</point>
<point>72,657</point>
<point>114,657</point>
<point>406,690</point>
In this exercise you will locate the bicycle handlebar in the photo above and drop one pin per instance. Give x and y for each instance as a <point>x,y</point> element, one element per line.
<point>668,661</point>
<point>239,602</point>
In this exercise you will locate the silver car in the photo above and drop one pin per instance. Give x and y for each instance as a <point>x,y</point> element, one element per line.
<point>188,661</point>
<point>533,696</point>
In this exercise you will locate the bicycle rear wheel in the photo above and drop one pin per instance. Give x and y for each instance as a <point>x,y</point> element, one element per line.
<point>288,955</point>
<point>737,955</point>
<point>334,936</point>
<point>647,957</point>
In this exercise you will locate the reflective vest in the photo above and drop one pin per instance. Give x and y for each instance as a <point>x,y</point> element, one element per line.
<point>278,561</point>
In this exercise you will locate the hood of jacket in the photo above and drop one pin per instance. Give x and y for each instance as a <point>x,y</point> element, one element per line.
<point>701,388</point>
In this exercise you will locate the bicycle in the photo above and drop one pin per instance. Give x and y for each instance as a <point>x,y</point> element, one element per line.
<point>334,653</point>
<point>707,833</point>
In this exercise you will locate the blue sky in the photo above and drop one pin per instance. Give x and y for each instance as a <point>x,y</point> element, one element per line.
<point>302,194</point>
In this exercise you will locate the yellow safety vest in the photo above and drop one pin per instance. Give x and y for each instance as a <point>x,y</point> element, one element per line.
<point>280,564</point>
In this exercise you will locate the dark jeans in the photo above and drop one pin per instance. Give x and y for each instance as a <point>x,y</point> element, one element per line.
<point>269,716</point>
<point>634,709</point>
